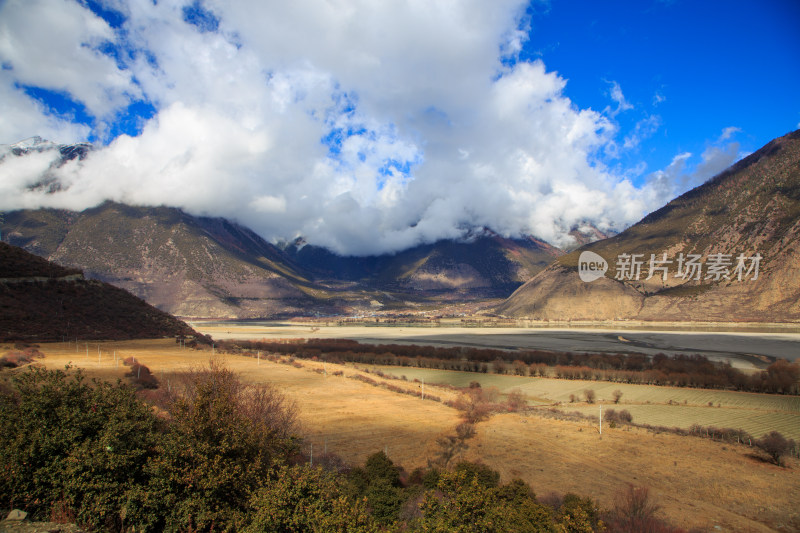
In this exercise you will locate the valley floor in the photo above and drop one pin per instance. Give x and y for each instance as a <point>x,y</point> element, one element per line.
<point>698,483</point>
<point>745,346</point>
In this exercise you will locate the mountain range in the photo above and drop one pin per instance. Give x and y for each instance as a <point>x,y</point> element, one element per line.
<point>748,214</point>
<point>211,267</point>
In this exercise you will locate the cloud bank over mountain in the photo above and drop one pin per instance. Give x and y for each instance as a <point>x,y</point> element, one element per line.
<point>366,127</point>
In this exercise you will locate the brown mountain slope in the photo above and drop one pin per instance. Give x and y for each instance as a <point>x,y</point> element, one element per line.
<point>188,266</point>
<point>41,301</point>
<point>751,208</point>
<point>210,267</point>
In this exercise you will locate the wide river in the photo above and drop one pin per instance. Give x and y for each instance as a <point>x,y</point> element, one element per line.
<point>743,349</point>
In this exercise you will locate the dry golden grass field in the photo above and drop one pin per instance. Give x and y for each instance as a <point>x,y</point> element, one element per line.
<point>699,483</point>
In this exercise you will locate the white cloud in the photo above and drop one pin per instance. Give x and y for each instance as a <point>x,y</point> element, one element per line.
<point>615,93</point>
<point>22,117</point>
<point>728,132</point>
<point>683,174</point>
<point>363,126</point>
<point>643,129</point>
<point>54,45</point>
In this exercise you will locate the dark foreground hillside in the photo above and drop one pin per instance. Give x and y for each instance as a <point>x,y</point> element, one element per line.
<point>41,301</point>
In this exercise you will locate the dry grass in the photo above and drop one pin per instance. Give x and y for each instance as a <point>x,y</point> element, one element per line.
<point>348,417</point>
<point>699,483</point>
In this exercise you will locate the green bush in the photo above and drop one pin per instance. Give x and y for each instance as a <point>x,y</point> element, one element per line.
<point>224,441</point>
<point>578,515</point>
<point>463,503</point>
<point>73,448</point>
<point>301,499</point>
<point>380,468</point>
<point>485,475</point>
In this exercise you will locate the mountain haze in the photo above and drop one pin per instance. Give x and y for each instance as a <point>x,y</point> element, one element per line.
<point>485,265</point>
<point>751,208</point>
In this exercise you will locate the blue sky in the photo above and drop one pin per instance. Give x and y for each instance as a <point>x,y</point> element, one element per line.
<point>700,66</point>
<point>368,127</point>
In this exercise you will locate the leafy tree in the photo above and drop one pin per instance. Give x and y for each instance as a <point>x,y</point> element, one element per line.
<point>383,493</point>
<point>380,468</point>
<point>225,439</point>
<point>578,515</point>
<point>385,501</point>
<point>462,503</point>
<point>485,475</point>
<point>81,447</point>
<point>358,481</point>
<point>305,499</point>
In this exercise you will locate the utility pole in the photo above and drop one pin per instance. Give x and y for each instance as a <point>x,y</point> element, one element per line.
<point>601,421</point>
<point>423,388</point>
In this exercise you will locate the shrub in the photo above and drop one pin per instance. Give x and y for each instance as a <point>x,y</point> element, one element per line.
<point>78,449</point>
<point>634,511</point>
<point>589,394</point>
<point>623,416</point>
<point>461,502</point>
<point>775,446</point>
<point>225,439</point>
<point>578,514</point>
<point>17,358</point>
<point>141,377</point>
<point>304,499</point>
<point>484,475</point>
<point>617,394</point>
<point>516,401</point>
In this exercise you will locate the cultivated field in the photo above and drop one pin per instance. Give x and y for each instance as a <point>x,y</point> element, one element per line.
<point>658,406</point>
<point>699,483</point>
